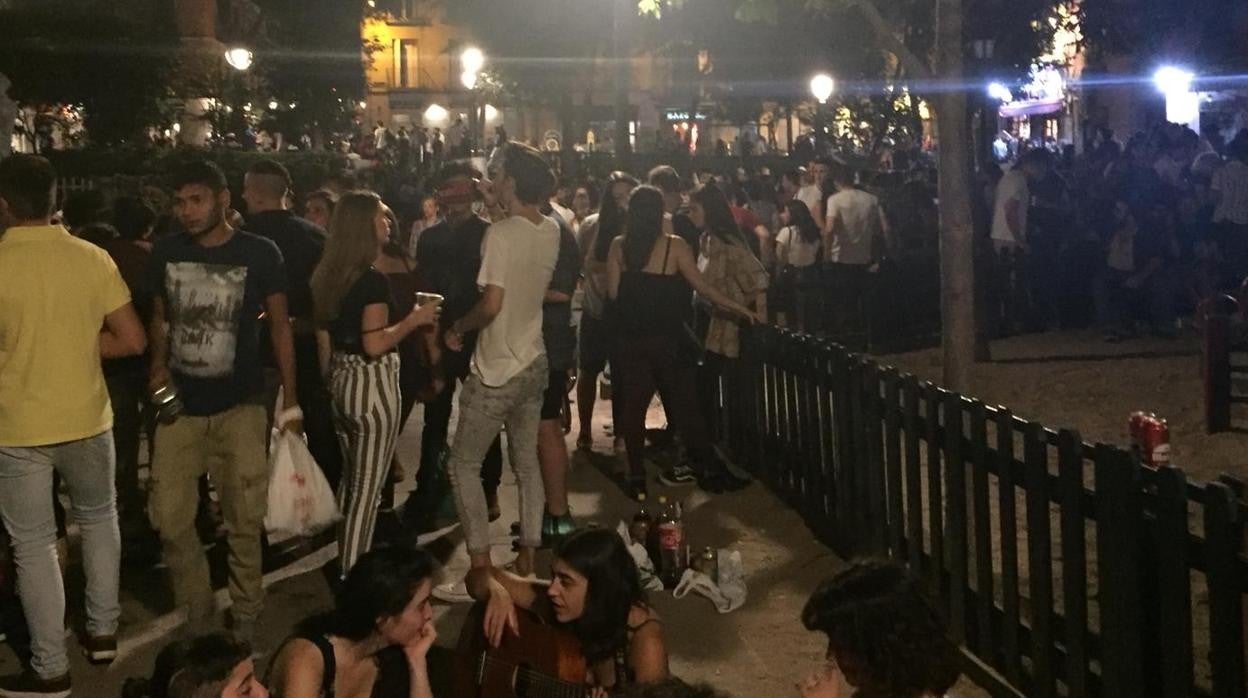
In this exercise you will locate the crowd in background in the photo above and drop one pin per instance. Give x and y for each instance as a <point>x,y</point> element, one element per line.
<point>535,288</point>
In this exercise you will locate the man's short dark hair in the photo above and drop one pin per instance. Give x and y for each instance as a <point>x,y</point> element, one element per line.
<point>1036,157</point>
<point>133,217</point>
<point>665,178</point>
<point>205,661</point>
<point>203,172</point>
<point>271,168</point>
<point>457,169</point>
<point>535,181</point>
<point>82,208</point>
<point>28,186</point>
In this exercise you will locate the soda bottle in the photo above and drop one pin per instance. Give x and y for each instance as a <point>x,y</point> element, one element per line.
<point>652,535</point>
<point>671,546</point>
<point>639,531</point>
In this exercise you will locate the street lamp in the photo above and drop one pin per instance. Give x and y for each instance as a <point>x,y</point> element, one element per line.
<point>1000,92</point>
<point>471,60</point>
<point>239,58</point>
<point>822,86</point>
<point>1182,104</point>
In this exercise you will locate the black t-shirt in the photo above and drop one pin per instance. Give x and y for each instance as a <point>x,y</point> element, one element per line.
<point>450,259</point>
<point>345,332</point>
<point>684,228</point>
<point>301,243</point>
<point>557,328</point>
<point>214,298</point>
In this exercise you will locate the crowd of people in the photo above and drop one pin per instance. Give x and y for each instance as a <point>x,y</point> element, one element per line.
<point>1140,234</point>
<point>334,324</point>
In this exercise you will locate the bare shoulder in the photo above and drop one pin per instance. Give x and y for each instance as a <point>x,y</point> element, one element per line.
<point>678,243</point>
<point>641,617</point>
<point>298,656</point>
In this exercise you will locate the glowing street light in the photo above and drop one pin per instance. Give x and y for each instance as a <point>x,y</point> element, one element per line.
<point>1173,81</point>
<point>469,80</point>
<point>239,58</point>
<point>822,86</point>
<point>1182,105</point>
<point>1000,92</point>
<point>472,60</point>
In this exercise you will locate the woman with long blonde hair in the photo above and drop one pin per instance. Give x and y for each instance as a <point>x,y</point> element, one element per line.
<point>357,338</point>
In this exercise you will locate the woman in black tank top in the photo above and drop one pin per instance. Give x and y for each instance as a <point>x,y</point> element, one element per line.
<point>650,278</point>
<point>373,644</point>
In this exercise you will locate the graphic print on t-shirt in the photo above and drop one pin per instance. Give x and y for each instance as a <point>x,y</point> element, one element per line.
<point>205,302</point>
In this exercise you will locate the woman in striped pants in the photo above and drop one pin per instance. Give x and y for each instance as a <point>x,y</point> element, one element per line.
<point>357,343</point>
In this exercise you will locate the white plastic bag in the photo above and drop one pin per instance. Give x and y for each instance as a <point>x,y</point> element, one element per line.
<point>301,502</point>
<point>728,594</point>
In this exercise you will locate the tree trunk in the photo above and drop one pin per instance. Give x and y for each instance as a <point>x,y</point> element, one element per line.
<point>8,112</point>
<point>957,252</point>
<point>568,133</point>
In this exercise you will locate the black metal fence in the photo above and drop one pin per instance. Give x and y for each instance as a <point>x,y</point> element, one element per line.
<point>1064,568</point>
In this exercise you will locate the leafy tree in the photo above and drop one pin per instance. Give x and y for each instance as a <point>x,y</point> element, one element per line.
<point>928,39</point>
<point>308,54</point>
<point>114,68</point>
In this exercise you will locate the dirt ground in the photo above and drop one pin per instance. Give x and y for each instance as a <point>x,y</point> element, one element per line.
<point>758,650</point>
<point>1076,380</point>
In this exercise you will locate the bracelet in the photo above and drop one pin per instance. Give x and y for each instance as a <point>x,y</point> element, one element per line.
<point>287,416</point>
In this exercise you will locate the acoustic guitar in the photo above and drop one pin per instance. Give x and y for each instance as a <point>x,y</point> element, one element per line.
<point>543,661</point>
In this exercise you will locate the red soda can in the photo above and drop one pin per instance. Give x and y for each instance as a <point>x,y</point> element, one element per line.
<point>1150,437</point>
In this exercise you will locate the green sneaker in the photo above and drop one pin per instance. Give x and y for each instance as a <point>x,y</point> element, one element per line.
<point>555,528</point>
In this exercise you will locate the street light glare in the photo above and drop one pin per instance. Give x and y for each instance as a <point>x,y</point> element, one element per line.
<point>469,79</point>
<point>472,60</point>
<point>822,86</point>
<point>239,58</point>
<point>1173,81</point>
<point>1000,92</point>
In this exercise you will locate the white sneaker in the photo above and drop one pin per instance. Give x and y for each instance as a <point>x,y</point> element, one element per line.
<point>452,592</point>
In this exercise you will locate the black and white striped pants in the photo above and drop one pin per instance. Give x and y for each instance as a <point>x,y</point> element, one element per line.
<point>367,418</point>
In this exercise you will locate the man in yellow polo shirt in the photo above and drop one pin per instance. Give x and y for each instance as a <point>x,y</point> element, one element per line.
<point>63,307</point>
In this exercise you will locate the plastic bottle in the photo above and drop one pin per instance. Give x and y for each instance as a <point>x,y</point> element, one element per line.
<point>652,535</point>
<point>639,531</point>
<point>671,546</point>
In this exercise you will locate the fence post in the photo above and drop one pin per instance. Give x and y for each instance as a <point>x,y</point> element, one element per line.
<point>1174,584</point>
<point>1010,655</point>
<point>1118,516</point>
<point>1223,533</point>
<point>1074,561</point>
<point>1039,560</point>
<point>1217,365</point>
<point>877,513</point>
<point>955,523</point>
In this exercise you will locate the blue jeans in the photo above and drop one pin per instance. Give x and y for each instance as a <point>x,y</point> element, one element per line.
<point>483,412</point>
<point>26,494</point>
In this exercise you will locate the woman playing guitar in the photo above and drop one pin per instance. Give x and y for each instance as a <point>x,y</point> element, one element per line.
<point>596,594</point>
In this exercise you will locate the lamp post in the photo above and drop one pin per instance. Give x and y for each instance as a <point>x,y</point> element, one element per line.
<point>471,60</point>
<point>821,88</point>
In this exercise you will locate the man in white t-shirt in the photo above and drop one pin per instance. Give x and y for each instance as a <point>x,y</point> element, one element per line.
<point>1230,191</point>
<point>853,232</point>
<point>1009,232</point>
<point>1013,195</point>
<point>811,191</point>
<point>509,366</point>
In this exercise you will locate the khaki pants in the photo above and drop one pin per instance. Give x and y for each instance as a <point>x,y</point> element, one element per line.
<point>231,448</point>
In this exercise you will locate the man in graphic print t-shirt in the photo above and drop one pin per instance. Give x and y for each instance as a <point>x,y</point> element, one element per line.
<point>217,288</point>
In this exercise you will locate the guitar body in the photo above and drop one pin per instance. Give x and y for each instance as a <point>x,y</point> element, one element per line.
<point>543,661</point>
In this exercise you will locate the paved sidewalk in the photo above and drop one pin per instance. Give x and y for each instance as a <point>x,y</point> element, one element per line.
<point>759,650</point>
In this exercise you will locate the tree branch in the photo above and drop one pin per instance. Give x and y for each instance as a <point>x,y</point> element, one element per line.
<point>888,36</point>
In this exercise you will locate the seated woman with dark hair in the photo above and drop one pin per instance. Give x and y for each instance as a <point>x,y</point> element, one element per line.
<point>883,636</point>
<point>374,642</point>
<point>596,594</point>
<point>210,666</point>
